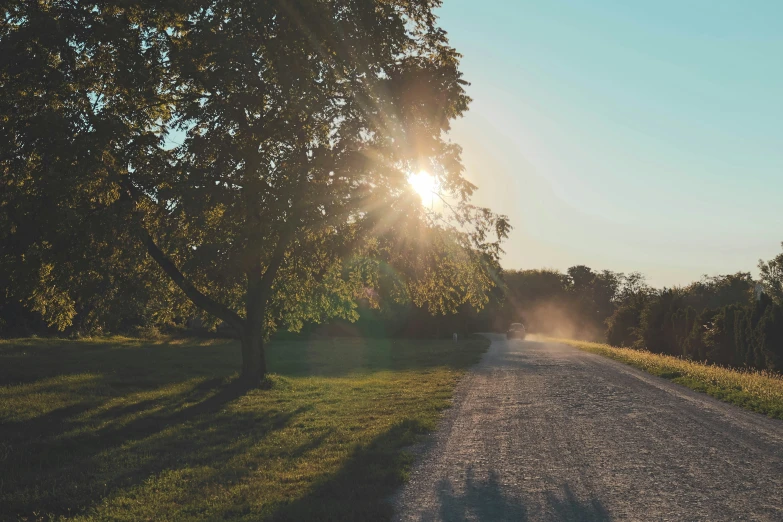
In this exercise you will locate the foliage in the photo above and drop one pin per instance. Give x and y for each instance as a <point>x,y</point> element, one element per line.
<point>772,277</point>
<point>719,291</point>
<point>119,429</point>
<point>769,338</point>
<point>663,322</point>
<point>717,320</point>
<point>760,391</point>
<point>258,152</point>
<point>622,326</point>
<point>595,293</point>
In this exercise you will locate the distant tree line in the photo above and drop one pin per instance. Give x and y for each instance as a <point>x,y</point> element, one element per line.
<point>721,320</point>
<point>730,320</point>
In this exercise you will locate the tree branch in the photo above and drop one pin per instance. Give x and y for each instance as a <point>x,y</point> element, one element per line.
<point>287,234</point>
<point>278,255</point>
<point>198,298</point>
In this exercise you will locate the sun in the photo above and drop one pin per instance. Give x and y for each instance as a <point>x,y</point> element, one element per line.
<point>425,185</point>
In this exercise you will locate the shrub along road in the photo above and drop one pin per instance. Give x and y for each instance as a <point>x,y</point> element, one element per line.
<point>543,431</point>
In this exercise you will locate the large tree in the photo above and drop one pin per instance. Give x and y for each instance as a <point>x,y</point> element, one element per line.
<point>258,151</point>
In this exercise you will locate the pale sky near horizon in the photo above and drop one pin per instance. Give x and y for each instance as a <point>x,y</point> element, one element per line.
<point>626,135</point>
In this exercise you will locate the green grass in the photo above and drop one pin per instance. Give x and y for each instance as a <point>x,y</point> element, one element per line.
<point>761,392</point>
<point>122,429</point>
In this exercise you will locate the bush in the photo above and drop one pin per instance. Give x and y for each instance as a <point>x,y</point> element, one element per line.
<point>623,326</point>
<point>769,337</point>
<point>745,334</point>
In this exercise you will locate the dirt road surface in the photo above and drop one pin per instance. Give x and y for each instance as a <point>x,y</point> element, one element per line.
<point>543,431</point>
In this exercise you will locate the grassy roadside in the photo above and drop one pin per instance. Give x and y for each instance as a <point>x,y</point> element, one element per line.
<point>123,429</point>
<point>757,391</point>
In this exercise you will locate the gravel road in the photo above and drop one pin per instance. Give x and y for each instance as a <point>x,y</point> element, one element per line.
<point>543,431</point>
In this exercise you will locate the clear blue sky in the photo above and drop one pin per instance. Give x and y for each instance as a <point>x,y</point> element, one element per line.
<point>627,135</point>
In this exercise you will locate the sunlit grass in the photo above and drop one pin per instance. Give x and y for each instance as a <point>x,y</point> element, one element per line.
<point>760,391</point>
<point>122,429</point>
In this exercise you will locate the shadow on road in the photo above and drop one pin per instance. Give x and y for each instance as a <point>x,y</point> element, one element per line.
<point>486,499</point>
<point>566,506</point>
<point>479,500</point>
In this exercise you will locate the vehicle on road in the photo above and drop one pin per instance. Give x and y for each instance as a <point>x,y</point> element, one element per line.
<point>516,331</point>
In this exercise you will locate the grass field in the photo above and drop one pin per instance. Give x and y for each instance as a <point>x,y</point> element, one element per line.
<point>757,391</point>
<point>122,429</point>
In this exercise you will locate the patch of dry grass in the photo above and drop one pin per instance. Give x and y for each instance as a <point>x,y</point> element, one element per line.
<point>760,391</point>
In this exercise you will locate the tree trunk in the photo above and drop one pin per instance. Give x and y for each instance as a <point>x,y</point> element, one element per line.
<point>253,359</point>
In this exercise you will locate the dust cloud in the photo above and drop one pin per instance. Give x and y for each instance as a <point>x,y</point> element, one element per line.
<point>555,320</point>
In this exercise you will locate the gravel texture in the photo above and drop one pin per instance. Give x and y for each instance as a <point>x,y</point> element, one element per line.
<point>543,431</point>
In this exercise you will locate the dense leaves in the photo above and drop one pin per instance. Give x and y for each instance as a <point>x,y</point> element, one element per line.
<point>772,277</point>
<point>730,320</point>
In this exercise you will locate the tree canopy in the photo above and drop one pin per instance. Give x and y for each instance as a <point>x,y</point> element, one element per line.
<point>772,277</point>
<point>256,152</point>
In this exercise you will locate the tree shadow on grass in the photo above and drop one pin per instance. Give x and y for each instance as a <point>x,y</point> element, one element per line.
<point>360,489</point>
<point>48,470</point>
<point>129,363</point>
<point>204,397</point>
<point>54,421</point>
